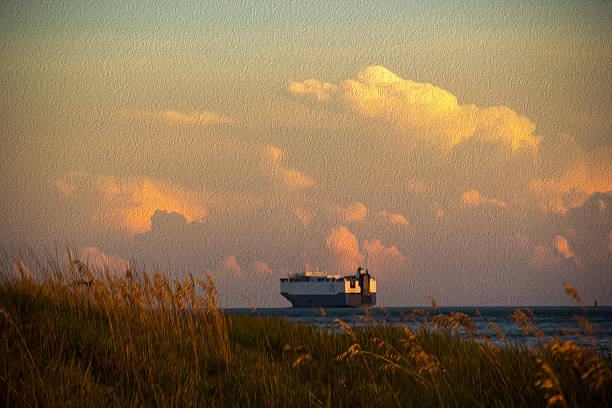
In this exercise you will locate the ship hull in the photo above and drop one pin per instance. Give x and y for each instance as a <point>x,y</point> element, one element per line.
<point>337,300</point>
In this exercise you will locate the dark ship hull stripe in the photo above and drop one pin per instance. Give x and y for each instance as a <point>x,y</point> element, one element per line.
<point>339,300</point>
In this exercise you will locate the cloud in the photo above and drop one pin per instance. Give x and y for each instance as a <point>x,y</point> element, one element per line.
<point>230,265</point>
<point>287,177</point>
<point>421,111</point>
<point>170,116</point>
<point>542,257</point>
<point>344,249</point>
<point>398,219</point>
<point>383,260</point>
<point>563,247</point>
<point>294,178</point>
<point>473,198</point>
<point>128,204</point>
<point>99,261</point>
<point>354,212</point>
<point>304,215</point>
<point>319,90</point>
<point>570,187</point>
<point>439,211</point>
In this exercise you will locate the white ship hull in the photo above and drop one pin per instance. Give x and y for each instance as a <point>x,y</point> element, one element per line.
<point>317,289</point>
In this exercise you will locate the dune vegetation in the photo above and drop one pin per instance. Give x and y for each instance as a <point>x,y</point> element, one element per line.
<point>73,337</point>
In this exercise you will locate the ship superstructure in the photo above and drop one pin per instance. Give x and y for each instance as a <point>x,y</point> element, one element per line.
<point>320,289</point>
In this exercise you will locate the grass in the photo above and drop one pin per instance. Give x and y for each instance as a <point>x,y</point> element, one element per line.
<point>72,338</point>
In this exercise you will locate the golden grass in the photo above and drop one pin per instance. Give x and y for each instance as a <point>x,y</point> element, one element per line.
<point>73,336</point>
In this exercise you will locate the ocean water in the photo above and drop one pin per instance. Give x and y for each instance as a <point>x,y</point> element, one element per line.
<point>550,320</point>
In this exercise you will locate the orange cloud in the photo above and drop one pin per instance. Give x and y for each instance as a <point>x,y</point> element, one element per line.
<point>590,173</point>
<point>395,218</point>
<point>543,257</point>
<point>294,178</point>
<point>320,90</point>
<point>128,204</point>
<point>428,112</point>
<point>304,215</point>
<point>273,157</point>
<point>98,261</point>
<point>473,198</point>
<point>355,212</point>
<point>563,247</point>
<point>382,259</point>
<point>439,210</point>
<point>344,248</point>
<point>230,265</point>
<point>170,116</point>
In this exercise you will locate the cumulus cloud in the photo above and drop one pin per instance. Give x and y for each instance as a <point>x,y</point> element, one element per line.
<point>563,247</point>
<point>273,158</point>
<point>304,215</point>
<point>381,259</point>
<point>319,90</point>
<point>473,198</point>
<point>575,182</point>
<point>356,211</point>
<point>230,265</point>
<point>128,204</point>
<point>396,218</point>
<point>344,249</point>
<point>170,116</point>
<point>99,261</point>
<point>421,110</point>
<point>542,257</point>
<point>438,209</point>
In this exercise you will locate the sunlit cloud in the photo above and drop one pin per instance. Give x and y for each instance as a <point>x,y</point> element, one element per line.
<point>563,247</point>
<point>438,209</point>
<point>171,116</point>
<point>589,173</point>
<point>304,215</point>
<point>473,198</point>
<point>101,262</point>
<point>355,212</point>
<point>128,204</point>
<point>294,178</point>
<point>291,178</point>
<point>543,256</point>
<point>344,249</point>
<point>381,259</point>
<point>421,111</point>
<point>396,218</point>
<point>230,265</point>
<point>320,90</point>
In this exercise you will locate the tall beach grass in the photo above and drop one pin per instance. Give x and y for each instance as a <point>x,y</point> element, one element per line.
<point>73,336</point>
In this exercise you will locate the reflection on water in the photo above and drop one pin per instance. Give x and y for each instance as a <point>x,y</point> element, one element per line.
<point>550,320</point>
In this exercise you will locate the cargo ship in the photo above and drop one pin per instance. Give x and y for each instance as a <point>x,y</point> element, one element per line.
<point>319,289</point>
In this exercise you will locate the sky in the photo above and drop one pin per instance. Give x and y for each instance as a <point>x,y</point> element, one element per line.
<point>459,150</point>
